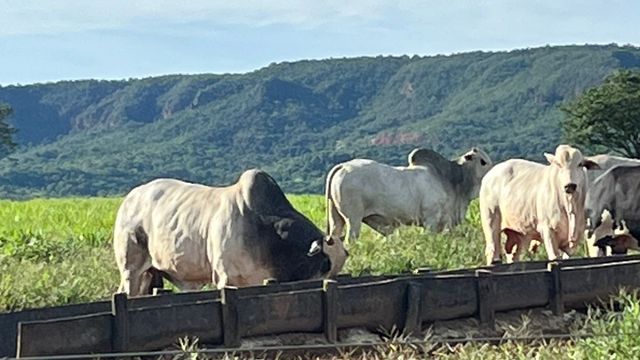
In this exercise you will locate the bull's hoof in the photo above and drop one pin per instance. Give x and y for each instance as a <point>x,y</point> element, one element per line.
<point>496,262</point>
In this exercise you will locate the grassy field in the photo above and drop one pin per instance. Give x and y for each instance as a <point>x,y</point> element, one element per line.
<point>59,251</point>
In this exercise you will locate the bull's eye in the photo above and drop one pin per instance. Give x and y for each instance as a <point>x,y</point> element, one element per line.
<point>482,162</point>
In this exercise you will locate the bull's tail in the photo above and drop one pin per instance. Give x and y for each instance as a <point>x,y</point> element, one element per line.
<point>333,217</point>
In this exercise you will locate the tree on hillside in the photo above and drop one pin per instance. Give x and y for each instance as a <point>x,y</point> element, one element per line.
<point>6,131</point>
<point>607,117</point>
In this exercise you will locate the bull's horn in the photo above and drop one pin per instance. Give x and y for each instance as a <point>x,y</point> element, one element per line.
<point>315,248</point>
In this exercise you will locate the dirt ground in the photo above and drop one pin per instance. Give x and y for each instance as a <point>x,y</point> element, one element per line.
<point>535,322</point>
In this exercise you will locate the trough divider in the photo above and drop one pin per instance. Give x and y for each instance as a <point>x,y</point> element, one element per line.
<point>486,292</point>
<point>330,310</point>
<point>120,324</point>
<point>230,323</point>
<point>412,319</point>
<point>556,299</point>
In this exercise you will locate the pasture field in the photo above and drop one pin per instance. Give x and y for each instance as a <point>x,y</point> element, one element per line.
<point>59,251</point>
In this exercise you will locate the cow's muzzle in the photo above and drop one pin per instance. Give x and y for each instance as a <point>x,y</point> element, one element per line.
<point>570,188</point>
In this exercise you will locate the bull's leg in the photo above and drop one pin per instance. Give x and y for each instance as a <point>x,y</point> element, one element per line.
<point>549,243</point>
<point>491,223</point>
<point>523,245</point>
<point>355,223</point>
<point>221,280</point>
<point>335,221</point>
<point>353,213</point>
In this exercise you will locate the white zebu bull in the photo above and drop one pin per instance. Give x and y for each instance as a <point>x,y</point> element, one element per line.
<point>530,201</point>
<point>431,192</point>
<point>236,235</point>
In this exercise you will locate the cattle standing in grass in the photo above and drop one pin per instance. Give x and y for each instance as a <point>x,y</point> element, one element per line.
<point>613,211</point>
<point>236,235</point>
<point>606,162</point>
<point>530,201</point>
<point>431,192</point>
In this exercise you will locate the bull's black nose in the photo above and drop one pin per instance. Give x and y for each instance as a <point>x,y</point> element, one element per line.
<point>570,188</point>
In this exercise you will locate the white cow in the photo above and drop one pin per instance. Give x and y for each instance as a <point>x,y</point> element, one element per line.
<point>431,192</point>
<point>530,201</point>
<point>236,235</point>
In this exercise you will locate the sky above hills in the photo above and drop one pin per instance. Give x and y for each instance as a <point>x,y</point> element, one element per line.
<point>44,41</point>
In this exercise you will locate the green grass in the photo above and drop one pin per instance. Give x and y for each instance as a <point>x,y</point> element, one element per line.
<point>58,251</point>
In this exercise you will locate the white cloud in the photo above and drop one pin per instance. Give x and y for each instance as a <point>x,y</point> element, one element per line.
<point>22,17</point>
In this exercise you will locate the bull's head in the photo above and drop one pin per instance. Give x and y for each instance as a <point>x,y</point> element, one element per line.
<point>333,249</point>
<point>569,171</point>
<point>570,166</point>
<point>477,163</point>
<point>478,159</point>
<point>329,253</point>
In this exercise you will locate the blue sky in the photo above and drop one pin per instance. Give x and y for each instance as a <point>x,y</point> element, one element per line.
<point>51,40</point>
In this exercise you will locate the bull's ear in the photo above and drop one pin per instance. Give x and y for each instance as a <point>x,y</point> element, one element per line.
<point>468,157</point>
<point>590,165</point>
<point>316,248</point>
<point>550,158</point>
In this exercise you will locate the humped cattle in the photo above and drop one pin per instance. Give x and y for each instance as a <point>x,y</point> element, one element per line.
<point>236,235</point>
<point>531,201</point>
<point>613,211</point>
<point>606,162</point>
<point>431,192</point>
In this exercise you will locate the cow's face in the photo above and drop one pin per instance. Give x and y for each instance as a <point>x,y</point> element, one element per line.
<point>478,160</point>
<point>335,253</point>
<point>607,234</point>
<point>570,167</point>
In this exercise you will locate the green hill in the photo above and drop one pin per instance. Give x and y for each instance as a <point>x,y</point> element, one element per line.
<point>294,120</point>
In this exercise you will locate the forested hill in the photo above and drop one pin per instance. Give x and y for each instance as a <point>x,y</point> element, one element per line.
<point>294,120</point>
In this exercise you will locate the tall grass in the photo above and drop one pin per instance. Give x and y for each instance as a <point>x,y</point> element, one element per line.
<point>58,251</point>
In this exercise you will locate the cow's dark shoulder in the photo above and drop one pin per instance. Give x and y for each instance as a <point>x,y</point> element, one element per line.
<point>448,170</point>
<point>285,232</point>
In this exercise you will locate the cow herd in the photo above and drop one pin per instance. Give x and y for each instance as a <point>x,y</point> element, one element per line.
<point>244,233</point>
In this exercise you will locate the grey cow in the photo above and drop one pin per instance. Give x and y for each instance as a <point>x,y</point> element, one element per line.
<point>236,235</point>
<point>613,211</point>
